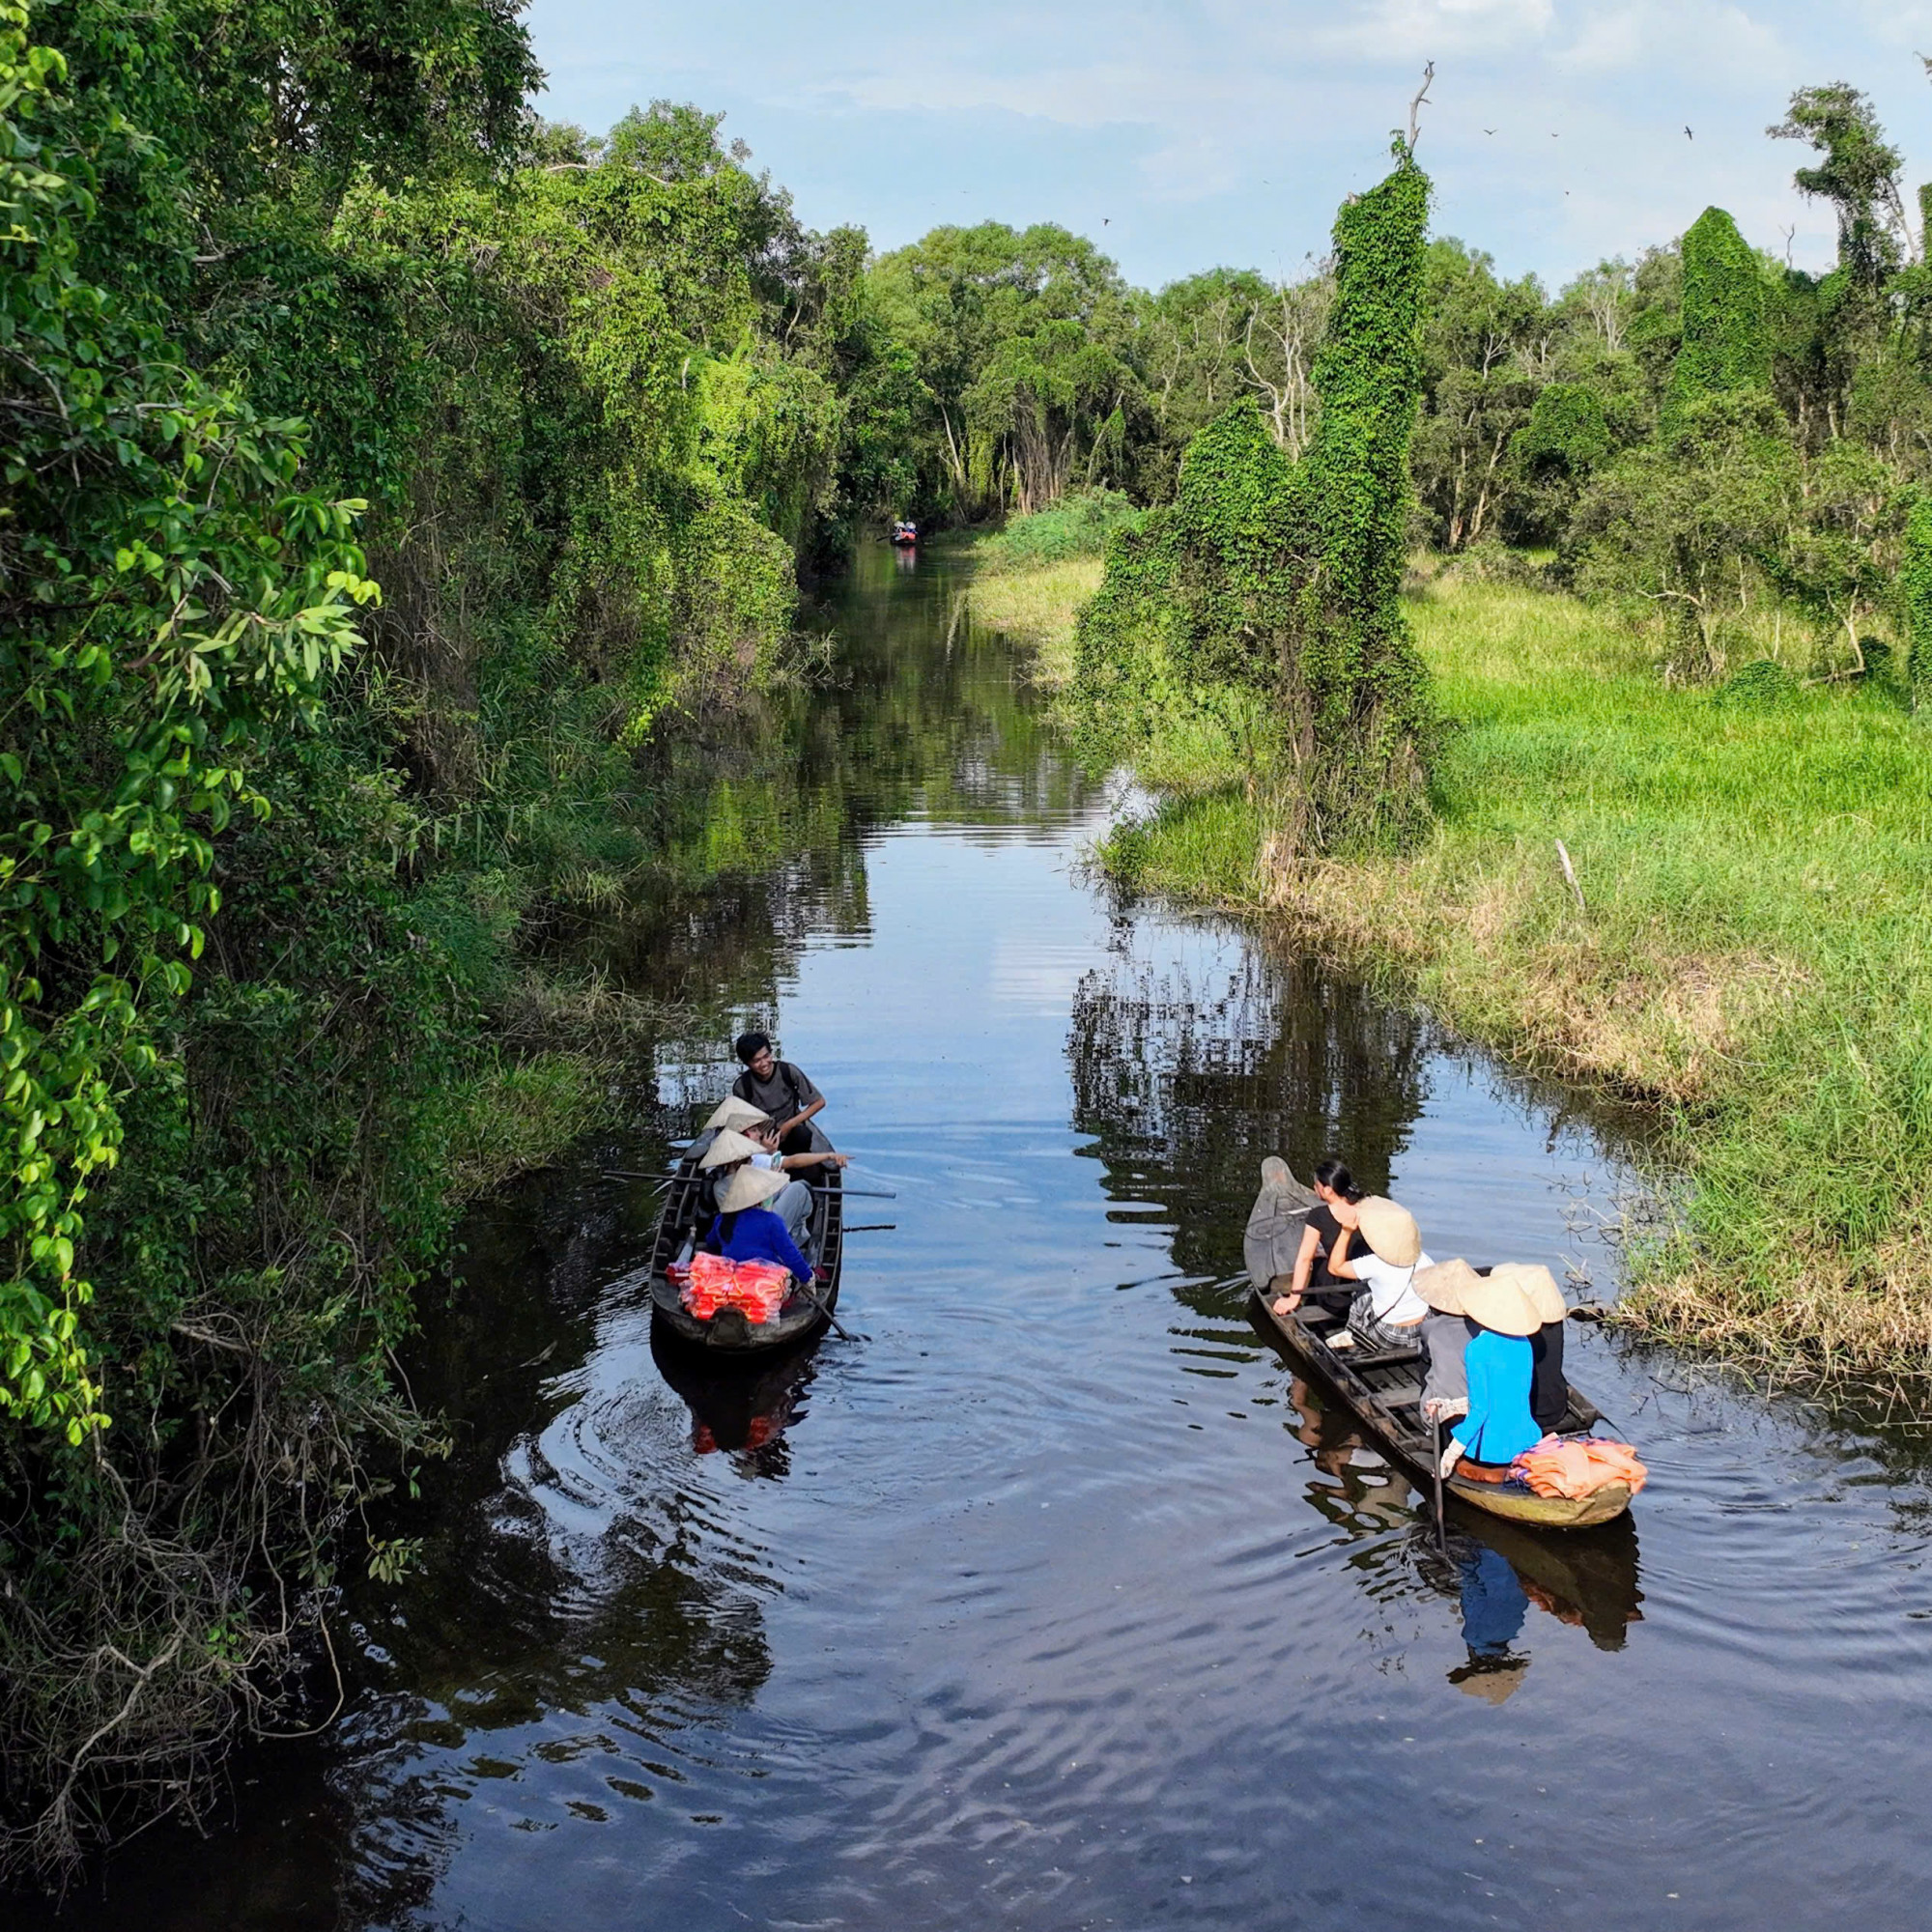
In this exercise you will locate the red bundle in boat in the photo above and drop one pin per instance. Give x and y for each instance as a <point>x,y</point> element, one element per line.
<point>756,1289</point>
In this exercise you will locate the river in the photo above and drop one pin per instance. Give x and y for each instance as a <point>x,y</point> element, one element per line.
<point>1057,1600</point>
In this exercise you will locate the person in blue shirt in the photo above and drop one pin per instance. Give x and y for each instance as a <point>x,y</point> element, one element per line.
<point>745,1230</point>
<point>1498,1363</point>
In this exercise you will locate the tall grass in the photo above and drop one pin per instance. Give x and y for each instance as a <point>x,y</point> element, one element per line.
<point>1753,952</point>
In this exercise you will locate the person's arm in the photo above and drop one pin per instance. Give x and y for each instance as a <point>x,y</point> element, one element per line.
<point>785,1250</point>
<point>1469,1432</point>
<point>813,1101</point>
<point>1305,1266</point>
<point>793,1162</point>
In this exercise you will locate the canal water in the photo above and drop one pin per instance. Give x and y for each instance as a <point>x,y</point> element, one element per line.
<point>1057,1601</point>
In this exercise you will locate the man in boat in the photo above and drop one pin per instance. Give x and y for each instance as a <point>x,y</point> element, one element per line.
<point>782,1091</point>
<point>1390,1314</point>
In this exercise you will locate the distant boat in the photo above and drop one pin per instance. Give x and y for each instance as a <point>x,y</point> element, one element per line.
<point>905,533</point>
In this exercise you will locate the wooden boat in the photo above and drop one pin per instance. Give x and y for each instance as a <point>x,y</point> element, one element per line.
<point>1383,1391</point>
<point>905,534</point>
<point>728,1334</point>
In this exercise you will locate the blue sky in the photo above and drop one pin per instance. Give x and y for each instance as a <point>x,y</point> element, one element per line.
<point>1187,134</point>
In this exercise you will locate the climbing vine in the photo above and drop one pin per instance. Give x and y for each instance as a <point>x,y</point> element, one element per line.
<point>1280,583</point>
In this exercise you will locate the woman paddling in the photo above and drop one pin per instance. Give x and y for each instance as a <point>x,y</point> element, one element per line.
<point>747,1230</point>
<point>1497,1426</point>
<point>1325,1241</point>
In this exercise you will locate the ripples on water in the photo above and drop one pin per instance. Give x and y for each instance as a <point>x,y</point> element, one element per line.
<point>1058,1600</point>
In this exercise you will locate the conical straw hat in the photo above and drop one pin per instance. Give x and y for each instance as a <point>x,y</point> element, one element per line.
<point>727,1148</point>
<point>753,1186</point>
<point>1499,1305</point>
<point>1445,1286</point>
<point>1538,1284</point>
<point>1390,1231</point>
<point>732,1112</point>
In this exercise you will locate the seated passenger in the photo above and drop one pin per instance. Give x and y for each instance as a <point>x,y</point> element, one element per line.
<point>765,1136</point>
<point>780,1090</point>
<point>1391,1312</point>
<point>1446,1330</point>
<point>1548,1391</point>
<point>732,1150</point>
<point>730,1114</point>
<point>745,1230</point>
<point>1325,1241</point>
<point>1498,1426</point>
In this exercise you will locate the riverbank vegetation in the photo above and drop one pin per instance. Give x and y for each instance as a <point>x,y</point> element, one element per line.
<point>389,477</point>
<point>1679,788</point>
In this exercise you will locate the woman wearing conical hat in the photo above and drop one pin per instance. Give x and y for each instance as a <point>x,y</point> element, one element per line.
<point>757,1147</point>
<point>747,1230</point>
<point>1497,1426</point>
<point>1548,1391</point>
<point>1385,1263</point>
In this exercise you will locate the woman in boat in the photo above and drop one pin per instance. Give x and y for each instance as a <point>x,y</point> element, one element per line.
<point>782,1091</point>
<point>1389,1314</point>
<point>1548,1391</point>
<point>1446,1330</point>
<point>757,1148</point>
<point>1325,1241</point>
<point>1497,1427</point>
<point>747,1230</point>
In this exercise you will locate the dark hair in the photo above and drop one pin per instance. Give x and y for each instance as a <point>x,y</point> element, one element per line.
<point>750,1045</point>
<point>1332,1175</point>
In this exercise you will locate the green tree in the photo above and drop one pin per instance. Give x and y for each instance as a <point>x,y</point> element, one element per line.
<point>1487,348</point>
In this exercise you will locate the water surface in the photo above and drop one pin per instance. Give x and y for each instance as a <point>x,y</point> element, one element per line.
<point>1058,1600</point>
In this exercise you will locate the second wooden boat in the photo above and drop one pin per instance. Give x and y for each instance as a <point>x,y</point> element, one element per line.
<point>682,1223</point>
<point>1383,1391</point>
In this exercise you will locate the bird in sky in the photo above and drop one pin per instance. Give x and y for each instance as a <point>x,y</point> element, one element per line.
<point>1488,131</point>
<point>1688,136</point>
<point>1105,220</point>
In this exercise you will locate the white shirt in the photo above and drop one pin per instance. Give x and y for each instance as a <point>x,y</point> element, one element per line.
<point>772,1160</point>
<point>1391,1299</point>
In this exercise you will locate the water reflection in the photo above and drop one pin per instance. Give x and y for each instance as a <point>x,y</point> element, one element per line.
<point>1493,1570</point>
<point>741,1411</point>
<point>1189,1073</point>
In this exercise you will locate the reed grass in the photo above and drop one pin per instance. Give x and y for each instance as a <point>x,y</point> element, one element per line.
<point>1037,606</point>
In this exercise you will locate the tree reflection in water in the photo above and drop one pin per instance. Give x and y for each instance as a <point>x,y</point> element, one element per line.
<point>1189,1074</point>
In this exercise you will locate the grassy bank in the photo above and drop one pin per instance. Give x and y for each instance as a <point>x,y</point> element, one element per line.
<point>1031,579</point>
<point>1750,952</point>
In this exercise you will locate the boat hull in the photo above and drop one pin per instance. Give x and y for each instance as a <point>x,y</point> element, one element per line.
<point>1377,1392</point>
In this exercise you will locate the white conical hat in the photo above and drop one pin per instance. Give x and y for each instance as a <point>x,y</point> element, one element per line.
<point>749,1188</point>
<point>732,1112</point>
<point>727,1148</point>
<point>1537,1283</point>
<point>1390,1231</point>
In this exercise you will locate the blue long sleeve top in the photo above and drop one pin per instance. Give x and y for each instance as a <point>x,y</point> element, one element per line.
<point>1499,1427</point>
<point>757,1235</point>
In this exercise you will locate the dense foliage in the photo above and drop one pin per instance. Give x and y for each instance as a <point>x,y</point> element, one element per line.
<point>294,304</point>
